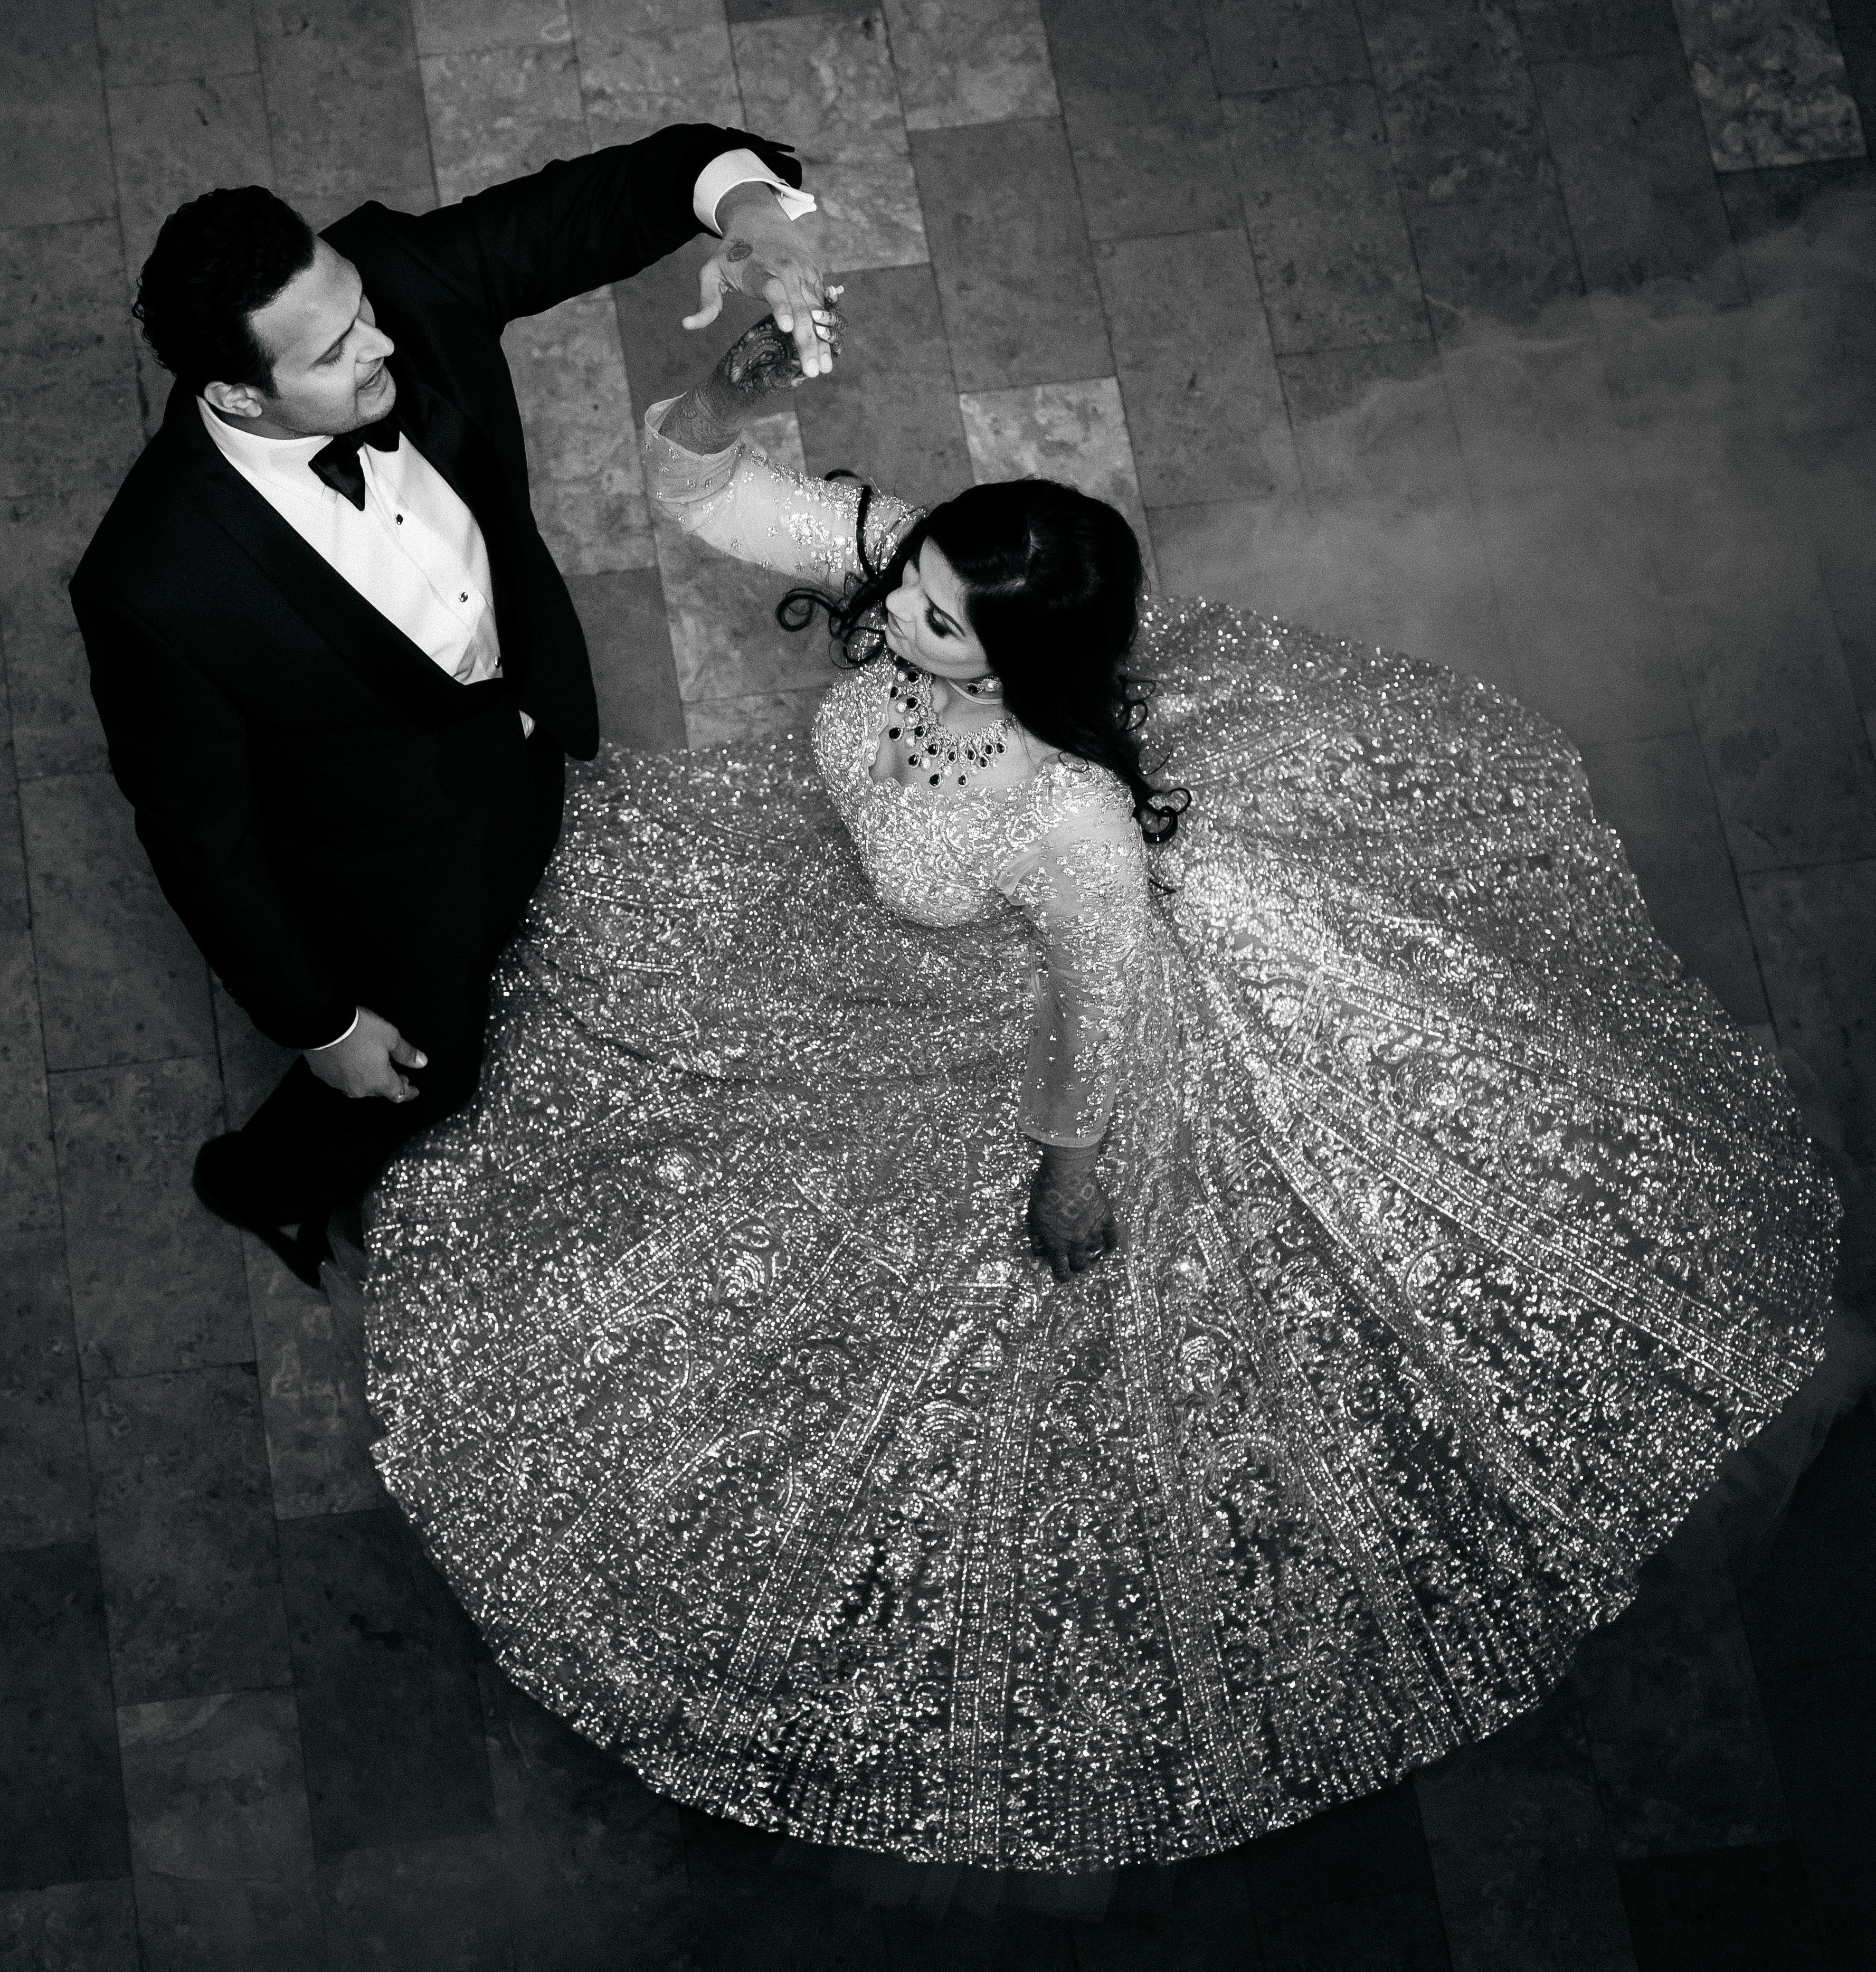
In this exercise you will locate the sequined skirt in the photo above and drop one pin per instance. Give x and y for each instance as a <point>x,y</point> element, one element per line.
<point>1465,1234</point>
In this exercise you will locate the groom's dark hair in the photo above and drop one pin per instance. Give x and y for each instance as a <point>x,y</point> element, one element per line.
<point>216,260</point>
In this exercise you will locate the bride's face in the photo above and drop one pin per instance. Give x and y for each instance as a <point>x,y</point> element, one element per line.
<point>926,620</point>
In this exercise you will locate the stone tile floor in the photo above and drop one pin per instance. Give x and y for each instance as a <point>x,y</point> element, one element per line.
<point>1535,335</point>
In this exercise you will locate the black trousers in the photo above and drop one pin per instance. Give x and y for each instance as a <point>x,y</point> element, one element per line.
<point>425,968</point>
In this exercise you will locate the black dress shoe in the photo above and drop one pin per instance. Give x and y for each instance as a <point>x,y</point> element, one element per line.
<point>302,1251</point>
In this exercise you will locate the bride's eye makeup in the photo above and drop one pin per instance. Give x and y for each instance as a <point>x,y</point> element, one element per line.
<point>937,623</point>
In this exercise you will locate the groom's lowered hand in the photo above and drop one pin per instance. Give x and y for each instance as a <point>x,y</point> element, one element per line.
<point>767,256</point>
<point>366,1061</point>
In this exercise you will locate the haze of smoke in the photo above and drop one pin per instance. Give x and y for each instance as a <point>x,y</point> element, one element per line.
<point>1616,510</point>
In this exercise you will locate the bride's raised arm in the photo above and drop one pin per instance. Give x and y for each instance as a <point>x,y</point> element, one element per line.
<point>703,471</point>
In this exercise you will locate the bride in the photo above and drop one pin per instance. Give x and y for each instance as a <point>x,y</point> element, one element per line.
<point>1133,1241</point>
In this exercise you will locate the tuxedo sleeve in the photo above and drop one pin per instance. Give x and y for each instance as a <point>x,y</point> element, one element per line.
<point>179,751</point>
<point>580,223</point>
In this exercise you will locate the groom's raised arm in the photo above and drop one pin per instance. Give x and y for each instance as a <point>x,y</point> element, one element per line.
<point>579,223</point>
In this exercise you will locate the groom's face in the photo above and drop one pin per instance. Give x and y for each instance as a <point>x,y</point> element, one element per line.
<point>329,370</point>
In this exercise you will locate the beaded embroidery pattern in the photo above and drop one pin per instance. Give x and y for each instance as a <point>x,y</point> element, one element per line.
<point>1465,1234</point>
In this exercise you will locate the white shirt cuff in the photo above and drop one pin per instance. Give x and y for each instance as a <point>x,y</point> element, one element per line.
<point>336,1038</point>
<point>725,173</point>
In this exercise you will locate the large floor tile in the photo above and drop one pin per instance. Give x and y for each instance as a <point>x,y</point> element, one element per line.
<point>629,637</point>
<point>825,83</point>
<point>45,1483</point>
<point>471,26</point>
<point>119,978</point>
<point>1816,932</point>
<point>310,1360</point>
<point>1593,644</point>
<point>68,409</point>
<point>1075,433</point>
<point>1371,1848</point>
<point>1325,218</point>
<point>1771,81</point>
<point>1822,1720</point>
<point>384,1663</point>
<point>890,413</point>
<point>971,61</point>
<point>1143,116</point>
<point>750,1916</point>
<point>55,729</point>
<point>652,62</point>
<point>500,114</point>
<point>71,1928</point>
<point>61,1801</point>
<point>29,1187</point>
<point>350,64</point>
<point>156,1282</point>
<point>584,476</point>
<point>1643,206</point>
<point>1520,1854</point>
<point>1682,1759</point>
<point>219,1836</point>
<point>175,138</point>
<point>1374,421</point>
<point>186,1534</point>
<point>1010,251</point>
<point>173,41</point>
<point>1505,258</point>
<point>1462,118</point>
<point>593,1861</point>
<point>1833,484</point>
<point>55,153</point>
<point>1401,1933</point>
<point>1555,30</point>
<point>1721,1910</point>
<point>1259,45</point>
<point>1765,671</point>
<point>1656,795</point>
<point>417,1903</point>
<point>1205,406</point>
<point>1813,1599</point>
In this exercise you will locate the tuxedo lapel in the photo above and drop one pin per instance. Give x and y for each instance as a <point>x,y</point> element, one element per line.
<point>368,643</point>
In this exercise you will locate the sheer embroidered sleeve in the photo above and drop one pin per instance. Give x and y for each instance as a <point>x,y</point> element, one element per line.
<point>741,502</point>
<point>1082,884</point>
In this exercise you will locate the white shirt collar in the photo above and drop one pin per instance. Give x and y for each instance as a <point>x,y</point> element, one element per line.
<point>282,458</point>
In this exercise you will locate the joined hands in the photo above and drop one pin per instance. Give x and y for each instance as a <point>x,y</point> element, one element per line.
<point>765,254</point>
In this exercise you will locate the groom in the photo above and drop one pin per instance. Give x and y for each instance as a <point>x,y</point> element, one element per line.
<point>338,669</point>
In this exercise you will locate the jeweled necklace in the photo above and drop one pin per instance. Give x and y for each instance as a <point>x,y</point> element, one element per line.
<point>939,752</point>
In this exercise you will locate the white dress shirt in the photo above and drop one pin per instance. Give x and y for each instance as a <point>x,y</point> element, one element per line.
<point>415,552</point>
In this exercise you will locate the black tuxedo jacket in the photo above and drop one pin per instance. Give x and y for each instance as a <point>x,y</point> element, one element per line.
<point>303,775</point>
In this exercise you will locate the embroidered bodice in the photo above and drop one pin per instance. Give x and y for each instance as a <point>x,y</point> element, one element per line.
<point>1063,848</point>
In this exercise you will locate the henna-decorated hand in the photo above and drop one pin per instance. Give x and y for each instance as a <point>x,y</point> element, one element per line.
<point>766,255</point>
<point>1070,1220</point>
<point>760,364</point>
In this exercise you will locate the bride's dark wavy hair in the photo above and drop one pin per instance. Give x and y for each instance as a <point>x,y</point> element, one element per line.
<point>1052,581</point>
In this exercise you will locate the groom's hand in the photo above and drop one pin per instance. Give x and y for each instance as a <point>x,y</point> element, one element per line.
<point>365,1063</point>
<point>772,258</point>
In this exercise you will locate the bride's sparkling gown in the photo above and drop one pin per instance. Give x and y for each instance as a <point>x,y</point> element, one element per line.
<point>1465,1233</point>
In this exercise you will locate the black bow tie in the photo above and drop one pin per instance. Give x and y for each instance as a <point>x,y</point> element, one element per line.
<point>337,463</point>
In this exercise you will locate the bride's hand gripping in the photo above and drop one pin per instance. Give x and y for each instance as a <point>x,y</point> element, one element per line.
<point>765,254</point>
<point>1070,1220</point>
<point>760,364</point>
